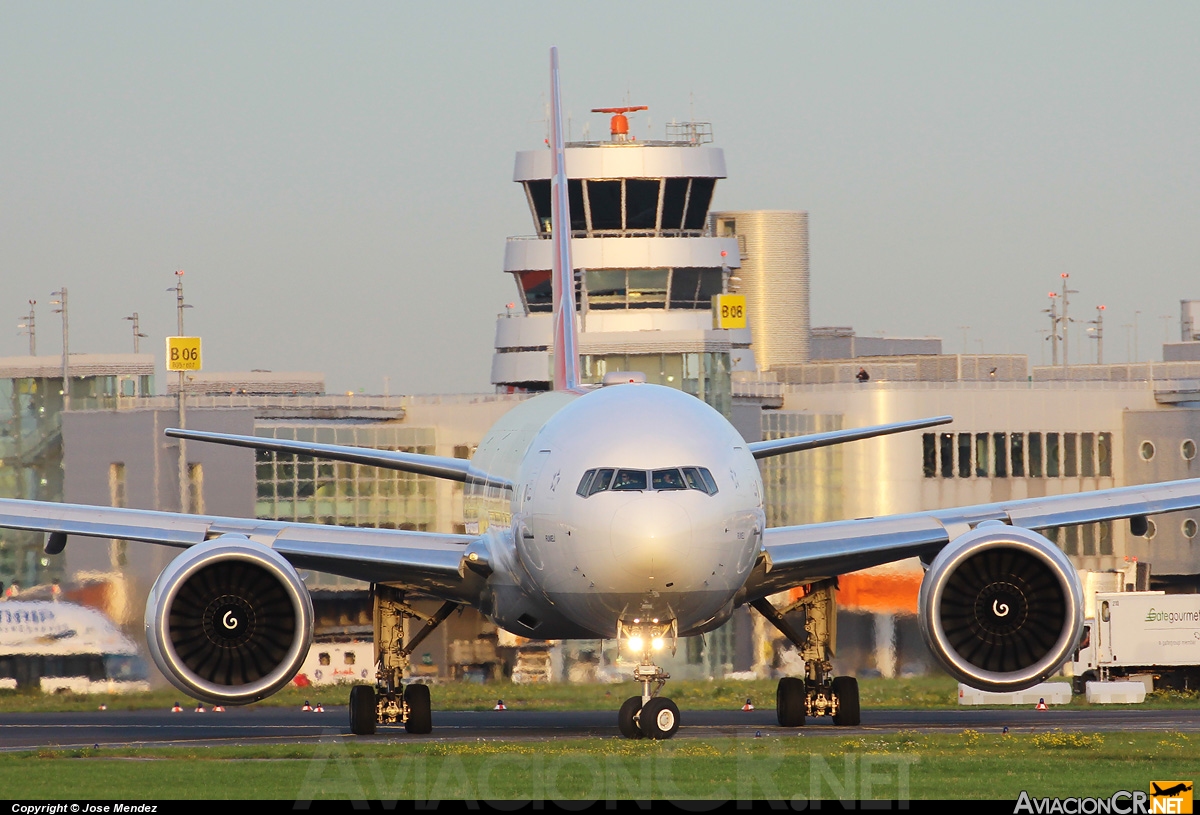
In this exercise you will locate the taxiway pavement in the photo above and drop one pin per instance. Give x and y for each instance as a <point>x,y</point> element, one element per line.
<point>266,725</point>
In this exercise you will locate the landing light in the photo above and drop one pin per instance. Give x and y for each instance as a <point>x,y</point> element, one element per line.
<point>657,643</point>
<point>635,643</point>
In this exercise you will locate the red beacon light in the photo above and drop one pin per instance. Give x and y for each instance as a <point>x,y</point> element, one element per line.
<point>619,126</point>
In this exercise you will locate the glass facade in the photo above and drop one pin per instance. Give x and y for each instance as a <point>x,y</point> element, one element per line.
<point>704,375</point>
<point>307,490</point>
<point>806,488</point>
<point>30,468</point>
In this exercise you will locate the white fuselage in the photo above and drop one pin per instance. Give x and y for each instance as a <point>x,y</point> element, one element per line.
<point>568,564</point>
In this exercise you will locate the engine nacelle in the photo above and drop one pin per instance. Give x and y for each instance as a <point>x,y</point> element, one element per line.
<point>229,621</point>
<point>1001,607</point>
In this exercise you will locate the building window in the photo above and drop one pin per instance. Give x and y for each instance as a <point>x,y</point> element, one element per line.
<point>1151,530</point>
<point>1187,449</point>
<point>929,454</point>
<point>1106,543</point>
<point>1017,448</point>
<point>1071,547</point>
<point>964,455</point>
<point>1035,455</point>
<point>1052,469</point>
<point>1189,529</point>
<point>947,455</point>
<point>1089,539</point>
<point>1087,455</point>
<point>1104,454</point>
<point>1147,450</point>
<point>1070,455</point>
<point>1001,455</point>
<point>981,455</point>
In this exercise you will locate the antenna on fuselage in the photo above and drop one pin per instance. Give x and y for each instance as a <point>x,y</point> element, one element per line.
<point>566,330</point>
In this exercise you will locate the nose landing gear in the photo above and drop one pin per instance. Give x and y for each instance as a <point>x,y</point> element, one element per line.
<point>649,715</point>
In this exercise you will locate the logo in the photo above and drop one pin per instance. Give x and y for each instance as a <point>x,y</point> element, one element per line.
<point>999,609</point>
<point>1171,797</point>
<point>229,621</point>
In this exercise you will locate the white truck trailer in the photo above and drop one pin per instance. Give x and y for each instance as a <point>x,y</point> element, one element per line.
<point>1140,634</point>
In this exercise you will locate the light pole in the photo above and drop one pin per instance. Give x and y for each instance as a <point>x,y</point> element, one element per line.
<point>30,326</point>
<point>1053,337</point>
<point>1066,321</point>
<point>61,302</point>
<point>183,473</point>
<point>137,335</point>
<point>1099,334</point>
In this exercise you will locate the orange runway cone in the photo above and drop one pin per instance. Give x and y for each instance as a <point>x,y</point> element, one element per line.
<point>499,705</point>
<point>103,706</point>
<point>1041,705</point>
<point>307,706</point>
<point>748,706</point>
<point>200,709</point>
<point>176,708</point>
<point>319,709</point>
<point>218,709</point>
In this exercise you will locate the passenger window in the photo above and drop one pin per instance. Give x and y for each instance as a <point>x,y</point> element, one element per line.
<point>708,481</point>
<point>584,483</point>
<point>630,480</point>
<point>667,480</point>
<point>600,482</point>
<point>322,658</point>
<point>694,482</point>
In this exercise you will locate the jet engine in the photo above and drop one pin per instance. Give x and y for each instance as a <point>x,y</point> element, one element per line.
<point>1001,607</point>
<point>229,621</point>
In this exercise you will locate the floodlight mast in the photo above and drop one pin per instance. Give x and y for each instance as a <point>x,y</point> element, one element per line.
<point>30,326</point>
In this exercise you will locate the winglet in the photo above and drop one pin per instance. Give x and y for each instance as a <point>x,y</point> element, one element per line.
<point>566,330</point>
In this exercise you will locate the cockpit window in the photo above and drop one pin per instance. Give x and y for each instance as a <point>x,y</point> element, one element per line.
<point>667,480</point>
<point>600,482</point>
<point>672,478</point>
<point>630,480</point>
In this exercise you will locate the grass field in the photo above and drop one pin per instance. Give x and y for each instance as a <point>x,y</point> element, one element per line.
<point>923,693</point>
<point>794,767</point>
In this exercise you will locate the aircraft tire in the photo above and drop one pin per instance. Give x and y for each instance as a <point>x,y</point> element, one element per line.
<point>845,688</point>
<point>420,716</point>
<point>625,718</point>
<point>659,718</point>
<point>789,702</point>
<point>362,710</point>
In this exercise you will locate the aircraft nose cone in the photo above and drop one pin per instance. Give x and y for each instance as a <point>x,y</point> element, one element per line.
<point>649,534</point>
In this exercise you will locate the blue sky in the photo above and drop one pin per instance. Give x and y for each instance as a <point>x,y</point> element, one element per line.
<point>336,179</point>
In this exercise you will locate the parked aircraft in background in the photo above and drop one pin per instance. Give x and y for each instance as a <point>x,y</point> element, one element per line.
<point>627,511</point>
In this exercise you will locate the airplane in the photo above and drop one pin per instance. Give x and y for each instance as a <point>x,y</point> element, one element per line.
<point>1172,791</point>
<point>624,511</point>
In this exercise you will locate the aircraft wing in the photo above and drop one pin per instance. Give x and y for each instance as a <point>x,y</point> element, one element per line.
<point>794,555</point>
<point>423,561</point>
<point>792,444</point>
<point>454,469</point>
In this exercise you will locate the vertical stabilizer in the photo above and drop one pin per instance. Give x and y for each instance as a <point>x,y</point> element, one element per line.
<point>566,331</point>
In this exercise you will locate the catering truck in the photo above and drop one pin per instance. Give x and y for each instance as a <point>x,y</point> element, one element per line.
<point>1141,634</point>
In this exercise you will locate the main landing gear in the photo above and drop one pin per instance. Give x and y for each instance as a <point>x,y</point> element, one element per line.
<point>819,693</point>
<point>649,715</point>
<point>390,701</point>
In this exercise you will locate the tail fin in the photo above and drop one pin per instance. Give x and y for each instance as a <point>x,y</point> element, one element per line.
<point>566,330</point>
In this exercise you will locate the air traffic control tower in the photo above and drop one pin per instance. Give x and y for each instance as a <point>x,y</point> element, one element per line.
<point>647,265</point>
